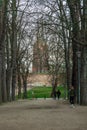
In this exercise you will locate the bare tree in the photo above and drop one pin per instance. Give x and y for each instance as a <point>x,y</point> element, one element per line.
<point>79,21</point>
<point>57,22</point>
<point>3,9</point>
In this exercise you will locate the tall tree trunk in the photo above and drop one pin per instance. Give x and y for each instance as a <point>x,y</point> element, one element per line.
<point>24,87</point>
<point>24,78</point>
<point>8,57</point>
<point>84,76</point>
<point>54,84</point>
<point>4,90</point>
<point>14,47</point>
<point>19,86</point>
<point>1,46</point>
<point>19,81</point>
<point>9,83</point>
<point>66,42</point>
<point>67,61</point>
<point>3,95</point>
<point>8,71</point>
<point>0,74</point>
<point>75,70</point>
<point>84,56</point>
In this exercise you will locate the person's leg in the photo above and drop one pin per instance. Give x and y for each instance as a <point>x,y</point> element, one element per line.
<point>73,100</point>
<point>54,95</point>
<point>70,99</point>
<point>59,95</point>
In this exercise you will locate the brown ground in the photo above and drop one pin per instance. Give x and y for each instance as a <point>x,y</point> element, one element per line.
<point>42,114</point>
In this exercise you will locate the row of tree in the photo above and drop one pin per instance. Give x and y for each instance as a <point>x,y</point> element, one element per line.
<point>78,14</point>
<point>15,51</point>
<point>68,20</point>
<point>63,26</point>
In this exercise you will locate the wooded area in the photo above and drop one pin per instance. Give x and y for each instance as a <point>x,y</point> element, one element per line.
<point>62,24</point>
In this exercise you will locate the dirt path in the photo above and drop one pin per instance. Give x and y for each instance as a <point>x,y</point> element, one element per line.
<point>42,115</point>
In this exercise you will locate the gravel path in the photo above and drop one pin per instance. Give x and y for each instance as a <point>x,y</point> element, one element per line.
<point>42,114</point>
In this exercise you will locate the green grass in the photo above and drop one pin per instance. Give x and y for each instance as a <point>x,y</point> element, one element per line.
<point>44,92</point>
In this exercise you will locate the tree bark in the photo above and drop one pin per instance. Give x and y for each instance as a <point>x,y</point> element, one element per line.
<point>3,94</point>
<point>84,76</point>
<point>14,47</point>
<point>24,88</point>
<point>19,81</point>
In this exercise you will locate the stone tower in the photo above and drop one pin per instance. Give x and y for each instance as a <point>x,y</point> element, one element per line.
<point>40,57</point>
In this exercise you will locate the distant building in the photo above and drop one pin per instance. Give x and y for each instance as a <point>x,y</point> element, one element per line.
<point>40,57</point>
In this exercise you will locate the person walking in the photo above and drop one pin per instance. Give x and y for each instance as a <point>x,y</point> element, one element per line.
<point>54,95</point>
<point>58,93</point>
<point>72,95</point>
